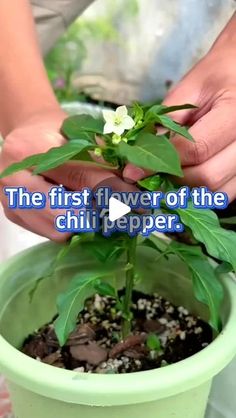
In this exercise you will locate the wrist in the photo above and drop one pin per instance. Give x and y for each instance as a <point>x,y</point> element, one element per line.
<point>32,113</point>
<point>40,114</point>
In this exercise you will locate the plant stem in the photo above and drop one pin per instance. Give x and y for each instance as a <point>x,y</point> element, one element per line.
<point>129,285</point>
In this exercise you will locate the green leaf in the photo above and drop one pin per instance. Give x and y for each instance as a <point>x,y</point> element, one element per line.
<point>85,156</point>
<point>228,221</point>
<point>76,126</point>
<point>151,183</point>
<point>36,285</point>
<point>110,156</point>
<point>152,152</point>
<point>105,249</point>
<point>87,136</point>
<point>206,286</point>
<point>150,244</point>
<point>72,302</point>
<point>57,156</point>
<point>169,109</point>
<point>220,243</point>
<point>28,162</point>
<point>173,126</point>
<point>162,109</point>
<point>137,112</point>
<point>207,289</point>
<point>167,185</point>
<point>143,128</point>
<point>148,105</point>
<point>105,289</point>
<point>48,160</point>
<point>74,241</point>
<point>153,342</point>
<point>224,268</point>
<point>153,241</point>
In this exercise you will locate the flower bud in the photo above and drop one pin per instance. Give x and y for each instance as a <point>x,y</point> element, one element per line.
<point>98,152</point>
<point>116,139</point>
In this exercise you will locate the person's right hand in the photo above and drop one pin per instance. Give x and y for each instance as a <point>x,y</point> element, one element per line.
<point>38,135</point>
<point>211,85</point>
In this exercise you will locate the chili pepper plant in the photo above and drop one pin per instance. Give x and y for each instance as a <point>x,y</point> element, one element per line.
<point>133,135</point>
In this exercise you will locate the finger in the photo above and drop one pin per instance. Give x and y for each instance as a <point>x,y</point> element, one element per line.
<point>185,92</point>
<point>42,225</point>
<point>38,221</point>
<point>11,215</point>
<point>76,176</point>
<point>36,224</point>
<point>230,189</point>
<point>214,173</point>
<point>132,174</point>
<point>13,150</point>
<point>211,133</point>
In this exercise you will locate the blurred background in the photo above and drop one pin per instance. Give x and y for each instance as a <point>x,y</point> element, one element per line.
<point>119,51</point>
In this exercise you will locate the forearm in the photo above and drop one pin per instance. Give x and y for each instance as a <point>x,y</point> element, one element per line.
<point>24,86</point>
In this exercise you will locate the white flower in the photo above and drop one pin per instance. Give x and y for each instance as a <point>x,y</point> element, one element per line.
<point>117,121</point>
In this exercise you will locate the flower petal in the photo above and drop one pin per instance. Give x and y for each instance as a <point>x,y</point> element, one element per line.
<point>118,129</point>
<point>109,115</point>
<point>128,122</point>
<point>121,111</point>
<point>108,128</point>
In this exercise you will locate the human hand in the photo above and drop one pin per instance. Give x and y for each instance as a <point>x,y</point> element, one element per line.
<point>38,135</point>
<point>211,85</point>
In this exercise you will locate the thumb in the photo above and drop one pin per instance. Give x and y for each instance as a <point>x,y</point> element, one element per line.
<point>76,175</point>
<point>185,92</point>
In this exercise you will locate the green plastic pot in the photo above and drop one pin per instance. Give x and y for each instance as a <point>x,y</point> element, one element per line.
<point>42,391</point>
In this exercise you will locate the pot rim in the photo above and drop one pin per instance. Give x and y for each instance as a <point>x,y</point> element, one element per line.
<point>122,389</point>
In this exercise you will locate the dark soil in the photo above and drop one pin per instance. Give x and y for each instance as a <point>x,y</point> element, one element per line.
<point>95,345</point>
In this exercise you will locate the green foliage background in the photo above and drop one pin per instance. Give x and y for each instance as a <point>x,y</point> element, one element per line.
<point>66,59</point>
